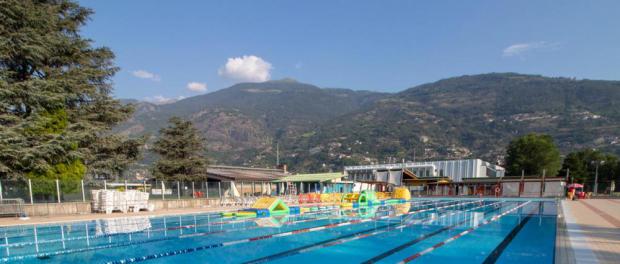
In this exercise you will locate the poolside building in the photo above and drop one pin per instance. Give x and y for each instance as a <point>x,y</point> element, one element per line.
<point>401,173</point>
<point>314,182</point>
<point>455,177</point>
<point>246,181</point>
<point>427,177</point>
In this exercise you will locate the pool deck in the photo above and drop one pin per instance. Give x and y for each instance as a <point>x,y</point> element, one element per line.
<point>13,221</point>
<point>593,232</point>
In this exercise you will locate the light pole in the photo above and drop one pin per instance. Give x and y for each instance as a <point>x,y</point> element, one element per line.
<point>596,163</point>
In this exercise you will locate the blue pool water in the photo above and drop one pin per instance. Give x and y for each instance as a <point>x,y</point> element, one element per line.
<point>422,231</point>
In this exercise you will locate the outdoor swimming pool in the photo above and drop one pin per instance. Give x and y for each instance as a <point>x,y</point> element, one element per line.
<point>424,230</point>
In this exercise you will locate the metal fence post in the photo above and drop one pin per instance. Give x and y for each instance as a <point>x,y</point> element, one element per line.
<point>178,190</point>
<point>126,185</point>
<point>207,189</point>
<point>30,191</point>
<point>193,191</point>
<point>83,192</point>
<point>542,184</point>
<point>219,189</point>
<point>144,186</point>
<point>105,184</point>
<point>58,190</point>
<point>163,188</point>
<point>1,198</point>
<point>522,183</point>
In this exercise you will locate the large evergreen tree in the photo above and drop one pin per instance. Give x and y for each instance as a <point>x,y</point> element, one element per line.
<point>533,153</point>
<point>182,152</point>
<point>113,155</point>
<point>55,91</point>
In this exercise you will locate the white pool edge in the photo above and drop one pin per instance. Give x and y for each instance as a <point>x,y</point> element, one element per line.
<point>578,241</point>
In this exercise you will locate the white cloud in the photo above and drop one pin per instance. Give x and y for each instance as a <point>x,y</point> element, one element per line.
<point>247,69</point>
<point>159,99</point>
<point>142,74</point>
<point>197,87</point>
<point>521,48</point>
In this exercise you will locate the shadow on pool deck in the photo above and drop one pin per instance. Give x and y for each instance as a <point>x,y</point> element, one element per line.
<point>604,243</point>
<point>594,231</point>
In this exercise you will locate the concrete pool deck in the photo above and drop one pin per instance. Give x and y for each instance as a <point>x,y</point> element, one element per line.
<point>593,230</point>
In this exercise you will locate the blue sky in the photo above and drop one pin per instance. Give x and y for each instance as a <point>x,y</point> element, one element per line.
<point>168,49</point>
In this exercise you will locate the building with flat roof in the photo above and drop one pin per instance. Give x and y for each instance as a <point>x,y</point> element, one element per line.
<point>425,172</point>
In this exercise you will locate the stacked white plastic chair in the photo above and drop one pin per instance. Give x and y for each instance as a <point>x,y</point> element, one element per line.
<point>108,201</point>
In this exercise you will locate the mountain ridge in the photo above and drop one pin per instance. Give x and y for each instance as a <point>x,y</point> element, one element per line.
<point>321,129</point>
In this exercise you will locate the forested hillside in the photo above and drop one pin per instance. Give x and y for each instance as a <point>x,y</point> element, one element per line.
<point>322,129</point>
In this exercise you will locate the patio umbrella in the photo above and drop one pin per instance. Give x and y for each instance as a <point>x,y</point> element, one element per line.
<point>575,185</point>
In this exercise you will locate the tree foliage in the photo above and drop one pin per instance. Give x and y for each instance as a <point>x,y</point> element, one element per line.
<point>55,91</point>
<point>581,166</point>
<point>182,151</point>
<point>533,153</point>
<point>113,154</point>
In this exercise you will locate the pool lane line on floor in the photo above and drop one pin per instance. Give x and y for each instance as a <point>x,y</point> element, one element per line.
<point>355,236</point>
<point>258,238</point>
<point>172,228</point>
<point>204,217</point>
<point>416,240</point>
<point>118,244</point>
<point>88,223</point>
<point>91,228</point>
<point>130,243</point>
<point>455,237</point>
<point>497,252</point>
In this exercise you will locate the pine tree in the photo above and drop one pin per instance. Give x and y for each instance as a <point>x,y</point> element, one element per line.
<point>182,152</point>
<point>55,91</point>
<point>113,154</point>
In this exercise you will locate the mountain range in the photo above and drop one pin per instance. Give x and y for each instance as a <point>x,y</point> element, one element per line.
<point>322,129</point>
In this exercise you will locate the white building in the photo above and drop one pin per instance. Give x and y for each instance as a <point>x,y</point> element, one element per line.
<point>455,170</point>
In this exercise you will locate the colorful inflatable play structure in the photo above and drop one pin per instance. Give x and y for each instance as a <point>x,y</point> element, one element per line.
<point>264,207</point>
<point>371,198</point>
<point>272,206</point>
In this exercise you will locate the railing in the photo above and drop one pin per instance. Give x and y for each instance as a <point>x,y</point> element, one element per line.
<point>12,207</point>
<point>32,191</point>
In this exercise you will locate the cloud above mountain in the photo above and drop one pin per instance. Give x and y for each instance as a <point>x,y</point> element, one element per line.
<point>160,99</point>
<point>198,87</point>
<point>248,68</point>
<point>519,49</point>
<point>142,74</point>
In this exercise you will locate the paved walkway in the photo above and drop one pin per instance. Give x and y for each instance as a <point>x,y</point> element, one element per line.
<point>92,216</point>
<point>594,229</point>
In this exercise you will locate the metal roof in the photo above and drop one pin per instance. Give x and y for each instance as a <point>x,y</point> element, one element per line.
<point>312,177</point>
<point>232,173</point>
